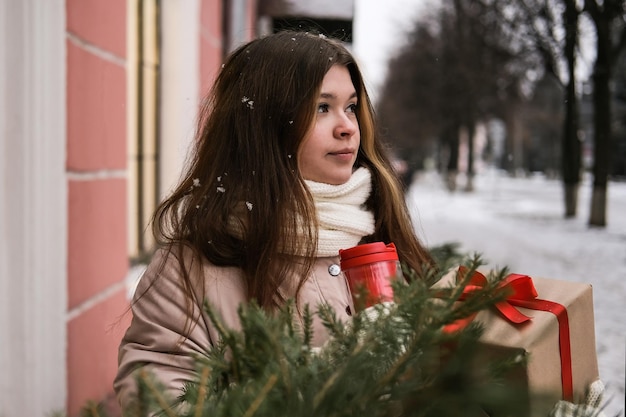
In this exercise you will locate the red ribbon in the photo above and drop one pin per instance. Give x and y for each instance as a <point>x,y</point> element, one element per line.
<point>522,293</point>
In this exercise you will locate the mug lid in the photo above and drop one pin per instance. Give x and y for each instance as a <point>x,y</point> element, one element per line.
<point>366,254</point>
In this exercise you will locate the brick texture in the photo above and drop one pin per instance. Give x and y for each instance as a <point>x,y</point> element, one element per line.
<point>99,22</point>
<point>96,111</point>
<point>97,237</point>
<point>93,339</point>
<point>210,43</point>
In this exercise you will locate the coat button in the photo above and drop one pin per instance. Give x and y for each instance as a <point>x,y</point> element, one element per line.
<point>334,270</point>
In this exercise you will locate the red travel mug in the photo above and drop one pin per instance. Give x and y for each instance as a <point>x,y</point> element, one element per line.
<point>370,269</point>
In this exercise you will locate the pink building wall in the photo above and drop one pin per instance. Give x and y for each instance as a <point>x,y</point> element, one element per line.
<point>96,163</point>
<point>210,42</point>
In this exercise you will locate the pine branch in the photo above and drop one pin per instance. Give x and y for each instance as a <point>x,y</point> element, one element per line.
<point>91,409</point>
<point>399,364</point>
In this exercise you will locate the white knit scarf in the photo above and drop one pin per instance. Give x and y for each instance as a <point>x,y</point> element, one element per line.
<point>343,220</point>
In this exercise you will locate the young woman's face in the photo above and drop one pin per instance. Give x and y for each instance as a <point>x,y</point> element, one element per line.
<point>330,148</point>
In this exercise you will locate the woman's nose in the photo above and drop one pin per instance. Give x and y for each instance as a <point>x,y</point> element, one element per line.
<point>346,127</point>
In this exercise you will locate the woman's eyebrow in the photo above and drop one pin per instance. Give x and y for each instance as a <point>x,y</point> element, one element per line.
<point>332,96</point>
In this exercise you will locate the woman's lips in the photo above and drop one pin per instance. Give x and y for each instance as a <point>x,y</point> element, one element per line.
<point>346,154</point>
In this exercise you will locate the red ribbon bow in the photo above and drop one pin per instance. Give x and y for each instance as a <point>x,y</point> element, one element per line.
<point>522,293</point>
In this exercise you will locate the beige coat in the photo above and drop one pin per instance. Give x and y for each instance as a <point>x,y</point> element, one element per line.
<point>159,319</point>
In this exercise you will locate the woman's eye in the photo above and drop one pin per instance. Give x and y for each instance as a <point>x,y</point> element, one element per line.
<point>352,108</point>
<point>322,108</point>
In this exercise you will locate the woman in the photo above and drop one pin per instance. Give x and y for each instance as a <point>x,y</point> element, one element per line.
<point>287,169</point>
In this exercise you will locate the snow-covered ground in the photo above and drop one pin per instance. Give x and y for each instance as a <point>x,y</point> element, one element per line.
<point>518,223</point>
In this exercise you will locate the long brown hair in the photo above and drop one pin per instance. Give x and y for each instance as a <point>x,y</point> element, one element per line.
<point>243,173</point>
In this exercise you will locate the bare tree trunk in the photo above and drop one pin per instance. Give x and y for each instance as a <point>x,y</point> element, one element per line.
<point>471,131</point>
<point>571,151</point>
<point>571,199</point>
<point>601,121</point>
<point>514,148</point>
<point>598,206</point>
<point>451,138</point>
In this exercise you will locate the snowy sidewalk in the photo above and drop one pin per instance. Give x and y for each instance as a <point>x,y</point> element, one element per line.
<point>518,223</point>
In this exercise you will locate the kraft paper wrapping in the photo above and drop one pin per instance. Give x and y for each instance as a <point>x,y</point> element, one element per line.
<point>540,382</point>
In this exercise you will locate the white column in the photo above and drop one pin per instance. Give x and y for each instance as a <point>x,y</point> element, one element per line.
<point>33,208</point>
<point>180,83</point>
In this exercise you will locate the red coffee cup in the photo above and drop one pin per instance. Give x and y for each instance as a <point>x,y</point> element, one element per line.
<point>370,269</point>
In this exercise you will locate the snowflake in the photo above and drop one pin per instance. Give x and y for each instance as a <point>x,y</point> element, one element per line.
<point>247,100</point>
<point>196,182</point>
<point>219,179</point>
<point>322,36</point>
<point>249,205</point>
<point>293,39</point>
<point>221,189</point>
<point>291,122</point>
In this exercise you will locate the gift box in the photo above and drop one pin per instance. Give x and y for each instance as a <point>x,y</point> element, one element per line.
<point>551,323</point>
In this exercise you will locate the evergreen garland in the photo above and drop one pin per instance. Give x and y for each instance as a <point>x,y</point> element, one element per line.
<point>393,360</point>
